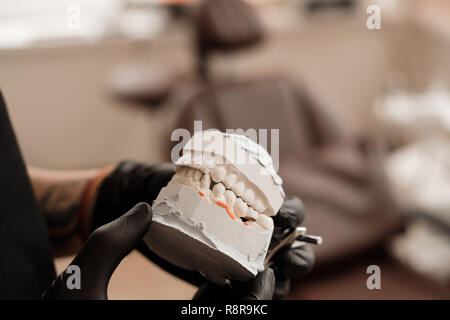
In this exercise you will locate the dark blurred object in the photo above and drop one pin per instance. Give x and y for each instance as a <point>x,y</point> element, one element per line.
<point>147,82</point>
<point>336,177</point>
<point>224,25</point>
<point>180,10</point>
<point>314,6</point>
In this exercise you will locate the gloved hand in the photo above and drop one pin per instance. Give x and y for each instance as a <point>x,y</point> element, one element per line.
<point>133,182</point>
<point>260,288</point>
<point>109,244</point>
<point>100,256</point>
<point>130,182</point>
<point>289,262</point>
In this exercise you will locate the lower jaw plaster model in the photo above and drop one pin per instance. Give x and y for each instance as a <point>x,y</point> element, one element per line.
<point>214,216</point>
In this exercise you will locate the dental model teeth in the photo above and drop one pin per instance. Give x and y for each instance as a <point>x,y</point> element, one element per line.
<point>230,181</point>
<point>197,175</point>
<point>195,185</point>
<point>176,179</point>
<point>214,214</point>
<point>230,197</point>
<point>190,173</point>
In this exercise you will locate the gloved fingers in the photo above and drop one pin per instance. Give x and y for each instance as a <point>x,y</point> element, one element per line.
<point>291,213</point>
<point>282,285</point>
<point>101,254</point>
<point>109,244</point>
<point>295,262</point>
<point>259,288</point>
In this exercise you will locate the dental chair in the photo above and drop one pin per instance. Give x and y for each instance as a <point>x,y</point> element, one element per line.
<point>224,26</point>
<point>336,177</point>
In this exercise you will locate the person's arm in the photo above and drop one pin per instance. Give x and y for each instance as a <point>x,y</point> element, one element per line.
<point>65,198</point>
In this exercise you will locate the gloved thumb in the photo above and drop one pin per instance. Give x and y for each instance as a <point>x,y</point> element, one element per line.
<point>101,254</point>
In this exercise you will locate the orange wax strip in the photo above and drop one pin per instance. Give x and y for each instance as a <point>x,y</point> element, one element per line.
<point>223,205</point>
<point>203,195</point>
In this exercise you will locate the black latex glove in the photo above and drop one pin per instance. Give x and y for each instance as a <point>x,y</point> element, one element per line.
<point>289,262</point>
<point>260,288</point>
<point>101,254</point>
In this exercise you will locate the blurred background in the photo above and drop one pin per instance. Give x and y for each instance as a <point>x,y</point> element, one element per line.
<point>362,102</point>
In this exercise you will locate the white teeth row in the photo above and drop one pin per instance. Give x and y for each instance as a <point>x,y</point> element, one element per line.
<point>238,188</point>
<point>249,196</point>
<point>241,200</point>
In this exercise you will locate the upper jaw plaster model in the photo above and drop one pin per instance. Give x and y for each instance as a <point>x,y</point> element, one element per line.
<point>214,216</point>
